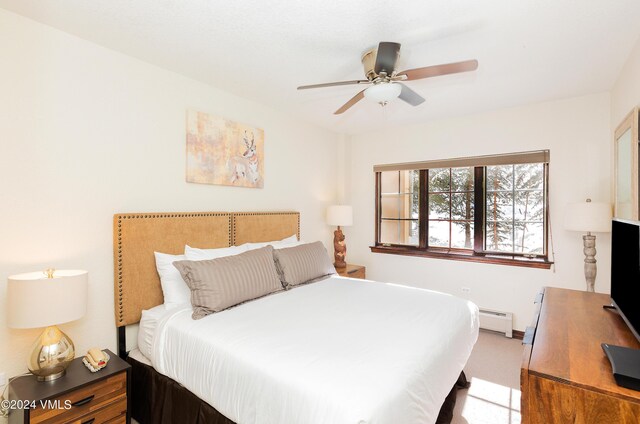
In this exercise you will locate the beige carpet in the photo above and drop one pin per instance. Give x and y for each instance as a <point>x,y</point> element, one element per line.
<point>494,372</point>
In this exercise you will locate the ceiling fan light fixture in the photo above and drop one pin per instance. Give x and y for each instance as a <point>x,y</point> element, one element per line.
<point>383,92</point>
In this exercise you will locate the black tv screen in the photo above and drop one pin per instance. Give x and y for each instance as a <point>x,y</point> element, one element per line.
<point>625,271</point>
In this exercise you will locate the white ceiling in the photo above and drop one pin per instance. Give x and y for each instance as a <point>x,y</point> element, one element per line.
<point>528,50</point>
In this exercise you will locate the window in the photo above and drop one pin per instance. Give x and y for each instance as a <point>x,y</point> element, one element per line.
<point>399,207</point>
<point>487,209</point>
<point>450,200</point>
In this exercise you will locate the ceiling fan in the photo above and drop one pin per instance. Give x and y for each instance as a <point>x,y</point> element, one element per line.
<point>385,80</point>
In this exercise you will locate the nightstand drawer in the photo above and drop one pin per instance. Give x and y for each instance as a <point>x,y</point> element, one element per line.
<point>122,419</point>
<point>84,401</point>
<point>114,413</point>
<point>352,271</point>
<point>356,273</point>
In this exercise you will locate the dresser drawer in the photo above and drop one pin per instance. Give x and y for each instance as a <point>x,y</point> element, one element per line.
<point>75,406</point>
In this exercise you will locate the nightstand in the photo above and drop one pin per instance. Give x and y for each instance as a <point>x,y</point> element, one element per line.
<point>352,271</point>
<point>79,396</point>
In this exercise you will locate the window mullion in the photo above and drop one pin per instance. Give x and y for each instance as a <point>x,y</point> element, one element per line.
<point>513,209</point>
<point>378,205</point>
<point>450,205</point>
<point>479,205</point>
<point>545,219</point>
<point>423,221</point>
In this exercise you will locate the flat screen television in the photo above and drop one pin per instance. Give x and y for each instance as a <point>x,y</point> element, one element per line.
<point>625,271</point>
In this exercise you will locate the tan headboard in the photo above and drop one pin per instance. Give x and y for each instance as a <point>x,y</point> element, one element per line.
<point>254,227</point>
<point>137,235</point>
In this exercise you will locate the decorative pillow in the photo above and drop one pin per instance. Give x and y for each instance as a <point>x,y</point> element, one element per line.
<point>195,254</point>
<point>277,244</point>
<point>174,289</point>
<point>218,284</point>
<point>303,263</point>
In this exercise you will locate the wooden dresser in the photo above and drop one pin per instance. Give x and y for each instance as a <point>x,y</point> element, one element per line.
<point>79,396</point>
<point>565,375</point>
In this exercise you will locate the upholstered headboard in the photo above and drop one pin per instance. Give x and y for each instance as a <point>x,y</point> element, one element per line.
<point>255,227</point>
<point>137,235</point>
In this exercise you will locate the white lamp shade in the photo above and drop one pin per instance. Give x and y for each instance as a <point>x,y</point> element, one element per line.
<point>33,300</point>
<point>594,217</point>
<point>341,215</point>
<point>383,92</point>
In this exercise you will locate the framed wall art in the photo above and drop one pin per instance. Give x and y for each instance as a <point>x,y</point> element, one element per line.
<point>224,152</point>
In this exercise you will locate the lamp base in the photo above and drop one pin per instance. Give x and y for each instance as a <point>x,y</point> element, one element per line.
<point>590,267</point>
<point>51,377</point>
<point>51,354</point>
<point>339,249</point>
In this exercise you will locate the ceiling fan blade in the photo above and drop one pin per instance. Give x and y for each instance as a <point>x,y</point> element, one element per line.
<point>332,84</point>
<point>410,96</point>
<point>355,99</point>
<point>387,57</point>
<point>437,70</point>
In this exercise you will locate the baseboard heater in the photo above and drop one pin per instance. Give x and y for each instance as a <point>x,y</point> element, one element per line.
<point>501,322</point>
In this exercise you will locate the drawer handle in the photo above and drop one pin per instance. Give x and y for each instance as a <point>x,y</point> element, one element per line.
<point>89,421</point>
<point>353,271</point>
<point>83,401</point>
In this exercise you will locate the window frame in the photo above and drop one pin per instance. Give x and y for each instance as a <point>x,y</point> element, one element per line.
<point>478,252</point>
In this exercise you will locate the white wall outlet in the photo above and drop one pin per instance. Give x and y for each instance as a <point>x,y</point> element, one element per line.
<point>465,289</point>
<point>3,379</point>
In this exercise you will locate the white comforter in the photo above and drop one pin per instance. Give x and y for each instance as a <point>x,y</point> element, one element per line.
<point>336,351</point>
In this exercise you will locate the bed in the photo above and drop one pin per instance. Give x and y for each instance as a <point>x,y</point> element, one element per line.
<point>335,351</point>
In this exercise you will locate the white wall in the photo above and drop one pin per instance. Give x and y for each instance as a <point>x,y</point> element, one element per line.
<point>576,131</point>
<point>86,132</point>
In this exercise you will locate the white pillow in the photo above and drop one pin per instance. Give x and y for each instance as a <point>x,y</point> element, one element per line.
<point>195,254</point>
<point>147,328</point>
<point>277,244</point>
<point>174,289</point>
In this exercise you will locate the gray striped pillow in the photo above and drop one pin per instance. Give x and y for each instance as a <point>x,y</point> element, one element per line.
<point>303,263</point>
<point>218,284</point>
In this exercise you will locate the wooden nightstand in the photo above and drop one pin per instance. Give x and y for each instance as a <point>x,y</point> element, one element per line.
<point>352,271</point>
<point>79,396</point>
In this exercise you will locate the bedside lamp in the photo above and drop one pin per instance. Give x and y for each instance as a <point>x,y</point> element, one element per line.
<point>588,217</point>
<point>339,215</point>
<point>45,299</point>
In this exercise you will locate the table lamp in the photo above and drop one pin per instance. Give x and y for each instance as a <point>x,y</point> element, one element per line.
<point>46,299</point>
<point>339,215</point>
<point>588,217</point>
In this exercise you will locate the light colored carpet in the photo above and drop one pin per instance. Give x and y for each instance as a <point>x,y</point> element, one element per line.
<point>494,372</point>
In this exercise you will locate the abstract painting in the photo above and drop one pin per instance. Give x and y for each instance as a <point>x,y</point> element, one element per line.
<point>224,152</point>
